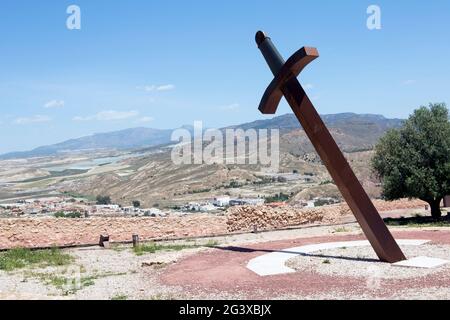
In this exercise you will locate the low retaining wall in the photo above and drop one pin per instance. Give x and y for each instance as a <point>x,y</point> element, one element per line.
<point>247,218</point>
<point>47,232</point>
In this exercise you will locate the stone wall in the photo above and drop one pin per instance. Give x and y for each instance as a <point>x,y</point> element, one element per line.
<point>266,218</point>
<point>247,218</point>
<point>47,232</point>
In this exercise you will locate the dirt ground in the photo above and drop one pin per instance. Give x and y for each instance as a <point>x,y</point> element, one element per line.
<point>220,272</point>
<point>226,272</point>
<point>119,273</point>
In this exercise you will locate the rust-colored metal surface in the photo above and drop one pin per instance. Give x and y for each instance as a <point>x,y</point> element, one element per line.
<point>286,84</point>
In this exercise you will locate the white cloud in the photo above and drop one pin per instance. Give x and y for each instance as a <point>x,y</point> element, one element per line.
<point>116,115</point>
<point>229,107</point>
<point>147,88</point>
<point>408,82</point>
<point>33,119</point>
<point>165,87</point>
<point>309,86</point>
<point>108,115</point>
<point>145,119</point>
<point>80,118</point>
<point>54,104</point>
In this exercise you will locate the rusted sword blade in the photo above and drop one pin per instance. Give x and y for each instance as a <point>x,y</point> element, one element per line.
<point>354,194</point>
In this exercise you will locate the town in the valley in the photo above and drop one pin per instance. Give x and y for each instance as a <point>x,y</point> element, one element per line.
<point>64,206</point>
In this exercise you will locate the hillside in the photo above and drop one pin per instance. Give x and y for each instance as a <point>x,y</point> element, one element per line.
<point>155,180</point>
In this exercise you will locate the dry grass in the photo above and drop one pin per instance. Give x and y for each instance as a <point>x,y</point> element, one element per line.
<point>21,258</point>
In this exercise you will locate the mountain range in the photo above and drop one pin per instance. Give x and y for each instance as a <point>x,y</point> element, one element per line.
<point>363,129</point>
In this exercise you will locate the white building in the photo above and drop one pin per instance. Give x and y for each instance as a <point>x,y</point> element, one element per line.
<point>222,201</point>
<point>107,206</point>
<point>130,209</point>
<point>201,207</point>
<point>247,202</point>
<point>152,212</point>
<point>310,204</point>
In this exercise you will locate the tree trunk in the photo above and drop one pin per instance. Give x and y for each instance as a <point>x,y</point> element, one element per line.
<point>435,206</point>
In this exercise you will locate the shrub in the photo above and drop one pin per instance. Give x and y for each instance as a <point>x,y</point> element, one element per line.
<point>103,200</point>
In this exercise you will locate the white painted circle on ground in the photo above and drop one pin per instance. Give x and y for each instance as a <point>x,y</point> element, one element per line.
<point>274,263</point>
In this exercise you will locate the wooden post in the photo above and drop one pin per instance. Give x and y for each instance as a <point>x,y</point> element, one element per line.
<point>135,238</point>
<point>104,240</point>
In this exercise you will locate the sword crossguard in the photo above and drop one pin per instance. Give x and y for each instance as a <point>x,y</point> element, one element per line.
<point>291,69</point>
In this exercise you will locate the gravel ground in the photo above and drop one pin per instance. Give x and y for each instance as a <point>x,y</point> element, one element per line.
<point>119,273</point>
<point>114,273</point>
<point>434,293</point>
<point>97,273</point>
<point>362,262</point>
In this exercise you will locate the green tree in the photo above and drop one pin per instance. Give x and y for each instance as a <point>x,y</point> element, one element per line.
<point>103,200</point>
<point>414,160</point>
<point>136,203</point>
<point>72,215</point>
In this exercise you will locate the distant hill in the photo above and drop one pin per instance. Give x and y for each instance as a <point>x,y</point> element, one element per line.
<point>285,123</point>
<point>360,130</point>
<point>123,139</point>
<point>361,124</point>
<point>352,131</point>
<point>289,121</point>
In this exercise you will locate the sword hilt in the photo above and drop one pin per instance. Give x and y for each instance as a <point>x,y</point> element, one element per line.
<point>283,71</point>
<point>270,53</point>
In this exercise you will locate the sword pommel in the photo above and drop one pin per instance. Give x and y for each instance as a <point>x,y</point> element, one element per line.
<point>270,53</point>
<point>260,37</point>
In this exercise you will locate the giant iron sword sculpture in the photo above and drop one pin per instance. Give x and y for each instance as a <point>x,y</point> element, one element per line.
<point>286,84</point>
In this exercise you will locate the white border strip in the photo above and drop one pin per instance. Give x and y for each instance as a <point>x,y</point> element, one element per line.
<point>275,263</point>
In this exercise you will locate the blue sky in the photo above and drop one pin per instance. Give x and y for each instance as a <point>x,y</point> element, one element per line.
<point>163,64</point>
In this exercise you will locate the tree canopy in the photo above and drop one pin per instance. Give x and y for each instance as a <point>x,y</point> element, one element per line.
<point>414,160</point>
<point>103,200</point>
<point>136,203</point>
